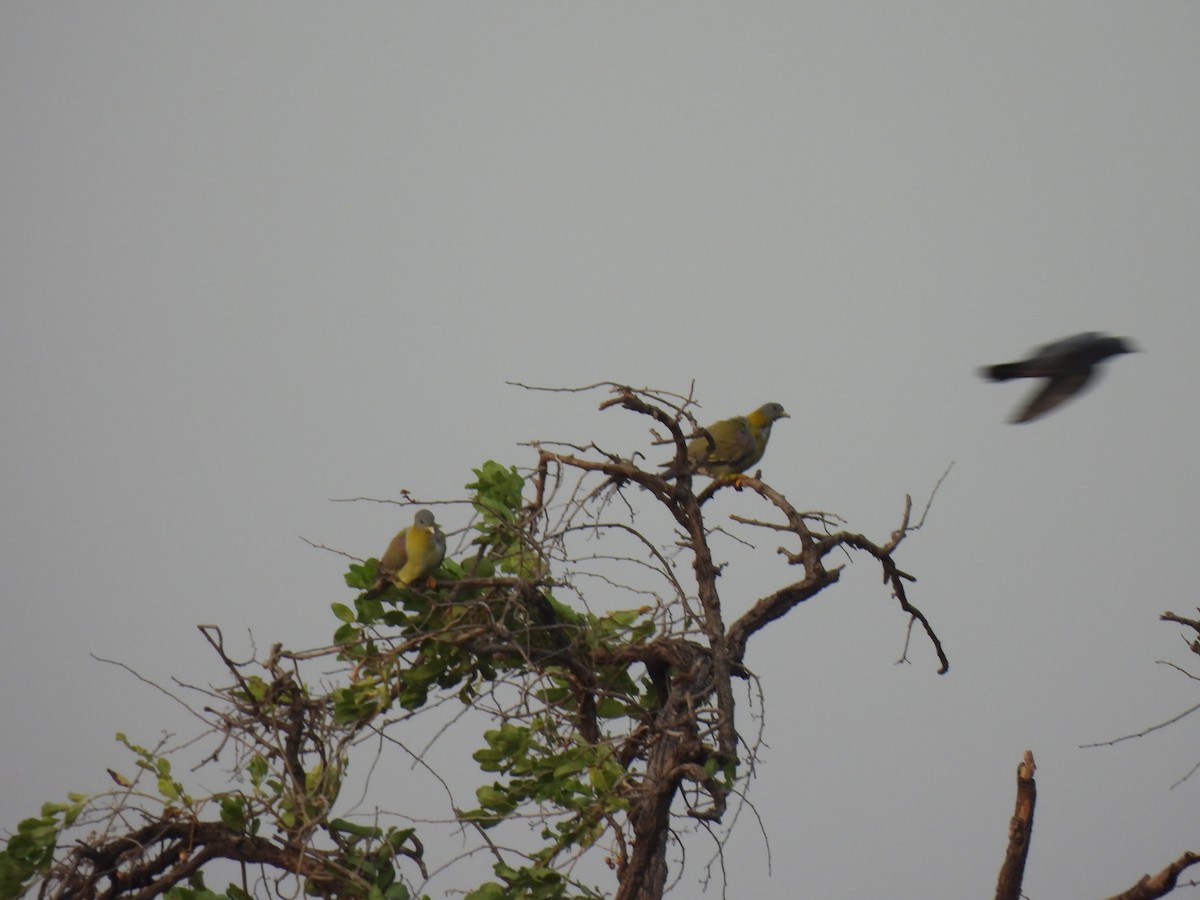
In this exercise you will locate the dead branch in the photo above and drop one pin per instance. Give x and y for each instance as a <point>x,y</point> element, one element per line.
<point>1150,887</point>
<point>1020,830</point>
<point>144,863</point>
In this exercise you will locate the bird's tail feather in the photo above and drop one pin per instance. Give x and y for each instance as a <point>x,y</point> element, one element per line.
<point>1003,371</point>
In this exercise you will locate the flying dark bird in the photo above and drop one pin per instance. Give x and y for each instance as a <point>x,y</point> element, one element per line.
<point>1067,365</point>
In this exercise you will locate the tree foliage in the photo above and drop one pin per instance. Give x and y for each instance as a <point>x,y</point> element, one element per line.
<point>593,654</point>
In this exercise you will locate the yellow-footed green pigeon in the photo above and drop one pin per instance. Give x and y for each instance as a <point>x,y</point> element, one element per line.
<point>737,443</point>
<point>415,552</point>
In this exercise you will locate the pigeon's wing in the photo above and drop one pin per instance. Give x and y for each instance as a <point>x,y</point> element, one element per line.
<point>394,558</point>
<point>396,555</point>
<point>734,443</point>
<point>1055,391</point>
<point>728,436</point>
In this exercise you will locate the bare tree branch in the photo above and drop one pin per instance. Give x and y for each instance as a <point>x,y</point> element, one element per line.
<point>1020,831</point>
<point>1160,884</point>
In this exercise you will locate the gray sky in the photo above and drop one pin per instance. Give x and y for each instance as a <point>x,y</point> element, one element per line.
<point>257,258</point>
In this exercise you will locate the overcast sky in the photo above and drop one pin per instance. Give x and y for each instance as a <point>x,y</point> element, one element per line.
<point>258,257</point>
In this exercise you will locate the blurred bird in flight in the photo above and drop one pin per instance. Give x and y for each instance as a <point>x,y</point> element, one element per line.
<point>1067,367</point>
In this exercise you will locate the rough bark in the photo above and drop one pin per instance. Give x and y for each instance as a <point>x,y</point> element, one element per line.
<point>1020,830</point>
<point>1150,887</point>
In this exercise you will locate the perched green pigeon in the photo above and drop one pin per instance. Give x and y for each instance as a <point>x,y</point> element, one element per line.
<point>737,443</point>
<point>415,552</point>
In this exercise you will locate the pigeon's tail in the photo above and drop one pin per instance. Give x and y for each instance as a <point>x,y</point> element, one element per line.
<point>1005,371</point>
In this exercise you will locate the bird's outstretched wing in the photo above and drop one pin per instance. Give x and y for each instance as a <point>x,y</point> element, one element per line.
<point>1055,391</point>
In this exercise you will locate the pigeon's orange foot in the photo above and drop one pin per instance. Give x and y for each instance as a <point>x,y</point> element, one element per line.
<point>735,480</point>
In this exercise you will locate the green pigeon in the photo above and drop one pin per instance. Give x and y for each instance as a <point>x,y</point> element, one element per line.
<point>737,443</point>
<point>415,552</point>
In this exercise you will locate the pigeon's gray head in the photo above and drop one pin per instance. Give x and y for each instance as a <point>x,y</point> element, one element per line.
<point>769,412</point>
<point>424,519</point>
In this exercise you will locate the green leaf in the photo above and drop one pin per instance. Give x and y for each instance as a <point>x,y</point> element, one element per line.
<point>398,837</point>
<point>168,788</point>
<point>570,767</point>
<point>626,617</point>
<point>342,612</point>
<point>362,831</point>
<point>233,813</point>
<point>256,688</point>
<point>490,760</point>
<point>369,609</point>
<point>257,769</point>
<point>489,891</point>
<point>563,612</point>
<point>610,708</point>
<point>479,567</point>
<point>362,577</point>
<point>494,798</point>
